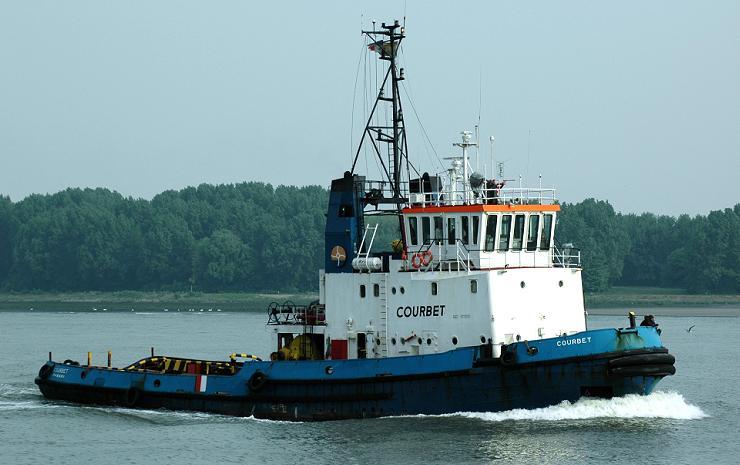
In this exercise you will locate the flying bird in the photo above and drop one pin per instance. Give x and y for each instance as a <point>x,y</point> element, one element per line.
<point>690,328</point>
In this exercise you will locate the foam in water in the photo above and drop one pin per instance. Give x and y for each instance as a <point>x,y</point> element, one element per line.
<point>656,405</point>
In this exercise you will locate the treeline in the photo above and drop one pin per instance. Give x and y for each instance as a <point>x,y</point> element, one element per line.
<point>700,254</point>
<point>248,236</point>
<point>253,237</point>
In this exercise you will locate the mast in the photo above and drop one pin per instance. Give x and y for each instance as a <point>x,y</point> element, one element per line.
<point>386,41</point>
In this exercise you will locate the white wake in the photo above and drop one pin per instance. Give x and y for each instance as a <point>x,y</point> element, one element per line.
<point>659,404</point>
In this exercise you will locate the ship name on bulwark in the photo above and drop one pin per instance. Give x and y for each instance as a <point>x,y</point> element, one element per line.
<point>574,341</point>
<point>420,310</point>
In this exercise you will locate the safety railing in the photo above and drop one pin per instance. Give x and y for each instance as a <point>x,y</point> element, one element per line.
<point>484,195</point>
<point>289,313</point>
<point>440,255</point>
<point>566,257</point>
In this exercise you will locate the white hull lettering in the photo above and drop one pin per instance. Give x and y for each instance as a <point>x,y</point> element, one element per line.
<point>420,310</point>
<point>574,341</point>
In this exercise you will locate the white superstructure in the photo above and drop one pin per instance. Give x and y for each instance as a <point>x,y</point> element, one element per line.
<point>480,266</point>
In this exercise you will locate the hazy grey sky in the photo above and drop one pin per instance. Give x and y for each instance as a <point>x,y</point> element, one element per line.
<point>635,102</point>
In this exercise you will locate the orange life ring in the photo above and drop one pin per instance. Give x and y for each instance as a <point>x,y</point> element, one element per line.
<point>426,257</point>
<point>416,260</point>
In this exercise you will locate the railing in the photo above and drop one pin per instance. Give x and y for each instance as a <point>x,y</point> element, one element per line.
<point>567,257</point>
<point>446,257</point>
<point>289,313</point>
<point>481,196</point>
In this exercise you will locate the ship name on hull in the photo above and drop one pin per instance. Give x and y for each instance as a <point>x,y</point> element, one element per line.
<point>420,310</point>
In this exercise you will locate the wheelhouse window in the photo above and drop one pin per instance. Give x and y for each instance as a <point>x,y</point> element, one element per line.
<point>490,240</point>
<point>516,241</point>
<point>532,229</point>
<point>426,231</point>
<point>439,233</point>
<point>465,230</point>
<point>476,226</point>
<point>503,237</point>
<point>546,232</point>
<point>450,230</point>
<point>413,224</point>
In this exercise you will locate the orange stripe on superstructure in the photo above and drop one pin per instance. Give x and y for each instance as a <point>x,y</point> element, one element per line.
<point>483,208</point>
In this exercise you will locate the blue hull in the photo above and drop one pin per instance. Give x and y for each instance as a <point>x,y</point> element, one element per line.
<point>602,363</point>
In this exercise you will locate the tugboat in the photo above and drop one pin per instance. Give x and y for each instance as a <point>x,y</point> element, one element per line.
<point>476,308</point>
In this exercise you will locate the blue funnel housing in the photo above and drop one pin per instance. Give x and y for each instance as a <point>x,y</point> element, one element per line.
<point>344,223</point>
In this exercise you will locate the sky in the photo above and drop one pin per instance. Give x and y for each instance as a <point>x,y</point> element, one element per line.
<point>633,102</point>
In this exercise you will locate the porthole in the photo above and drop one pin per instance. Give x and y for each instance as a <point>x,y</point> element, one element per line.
<point>393,340</point>
<point>83,374</point>
<point>377,341</point>
<point>429,341</point>
<point>483,339</point>
<point>473,286</point>
<point>560,283</point>
<point>329,370</point>
<point>376,290</point>
<point>157,383</point>
<point>522,284</point>
<point>454,340</point>
<point>419,341</point>
<point>434,288</point>
<point>403,291</point>
<point>393,290</point>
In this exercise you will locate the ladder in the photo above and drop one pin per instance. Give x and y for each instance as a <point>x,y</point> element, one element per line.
<point>383,329</point>
<point>366,253</point>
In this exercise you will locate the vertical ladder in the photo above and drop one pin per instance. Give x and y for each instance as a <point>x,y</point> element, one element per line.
<point>383,327</point>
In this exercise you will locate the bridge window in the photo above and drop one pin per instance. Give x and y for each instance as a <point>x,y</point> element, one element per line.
<point>425,229</point>
<point>413,224</point>
<point>516,241</point>
<point>534,221</point>
<point>450,230</point>
<point>438,231</point>
<point>434,288</point>
<point>476,221</point>
<point>546,233</point>
<point>465,230</point>
<point>503,238</point>
<point>491,233</point>
<point>362,291</point>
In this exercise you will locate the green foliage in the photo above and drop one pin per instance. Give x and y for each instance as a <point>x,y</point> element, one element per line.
<point>699,254</point>
<point>253,237</point>
<point>247,236</point>
<point>593,227</point>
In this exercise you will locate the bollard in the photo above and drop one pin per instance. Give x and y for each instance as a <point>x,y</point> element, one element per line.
<point>50,356</point>
<point>633,323</point>
<point>109,359</point>
<point>89,359</point>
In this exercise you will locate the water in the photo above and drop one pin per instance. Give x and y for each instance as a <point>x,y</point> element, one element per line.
<point>692,418</point>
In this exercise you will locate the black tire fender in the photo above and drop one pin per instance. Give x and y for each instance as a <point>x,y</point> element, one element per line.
<point>642,359</point>
<point>644,370</point>
<point>131,396</point>
<point>45,370</point>
<point>257,381</point>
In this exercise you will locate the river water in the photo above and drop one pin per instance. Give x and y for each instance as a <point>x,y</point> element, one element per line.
<point>693,417</point>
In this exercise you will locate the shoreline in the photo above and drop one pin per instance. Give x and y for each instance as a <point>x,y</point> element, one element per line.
<point>656,301</point>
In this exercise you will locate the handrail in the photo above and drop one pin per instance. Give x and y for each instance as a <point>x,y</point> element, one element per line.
<point>482,196</point>
<point>445,259</point>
